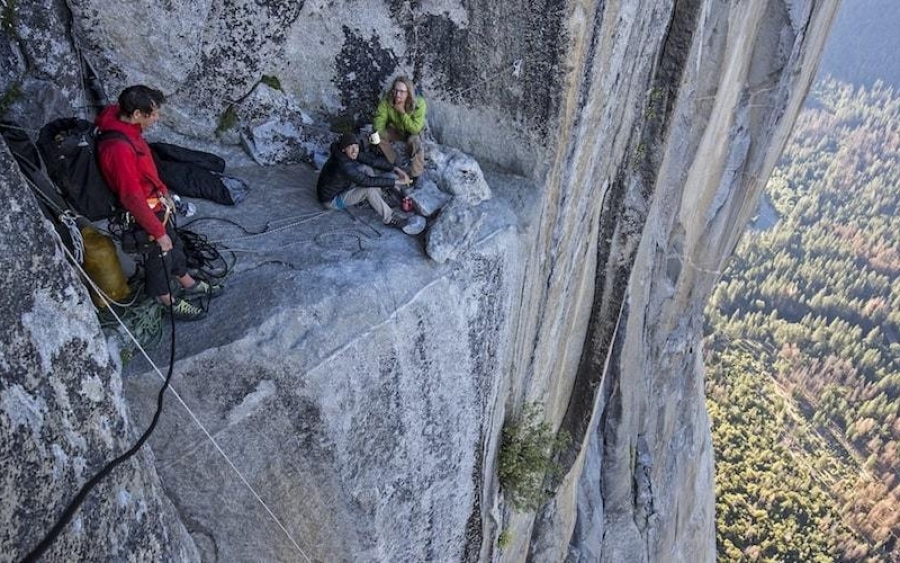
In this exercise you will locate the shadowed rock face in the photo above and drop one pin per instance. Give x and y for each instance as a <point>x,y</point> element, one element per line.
<point>361,387</point>
<point>62,413</point>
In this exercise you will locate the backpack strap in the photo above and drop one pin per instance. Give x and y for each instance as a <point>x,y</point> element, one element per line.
<point>111,135</point>
<point>108,135</point>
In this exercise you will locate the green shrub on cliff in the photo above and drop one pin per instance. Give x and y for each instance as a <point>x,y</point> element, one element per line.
<point>526,457</point>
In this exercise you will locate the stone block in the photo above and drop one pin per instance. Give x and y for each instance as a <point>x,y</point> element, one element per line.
<point>427,197</point>
<point>457,173</point>
<point>454,231</point>
<point>275,130</point>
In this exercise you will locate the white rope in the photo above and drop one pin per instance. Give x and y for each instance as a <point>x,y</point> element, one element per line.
<point>516,70</point>
<point>266,250</point>
<point>306,218</point>
<point>191,413</point>
<point>687,260</point>
<point>106,297</point>
<point>18,127</point>
<point>286,220</point>
<point>75,234</point>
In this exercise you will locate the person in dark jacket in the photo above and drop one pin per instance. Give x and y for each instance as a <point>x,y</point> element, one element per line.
<point>350,177</point>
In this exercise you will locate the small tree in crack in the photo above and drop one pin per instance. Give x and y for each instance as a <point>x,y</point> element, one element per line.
<point>527,453</point>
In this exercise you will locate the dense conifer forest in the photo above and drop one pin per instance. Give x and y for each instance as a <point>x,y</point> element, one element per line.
<point>803,346</point>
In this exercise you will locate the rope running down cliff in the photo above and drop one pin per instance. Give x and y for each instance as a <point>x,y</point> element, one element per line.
<point>193,416</point>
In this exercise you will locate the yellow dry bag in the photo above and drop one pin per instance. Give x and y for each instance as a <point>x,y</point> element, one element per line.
<point>102,265</point>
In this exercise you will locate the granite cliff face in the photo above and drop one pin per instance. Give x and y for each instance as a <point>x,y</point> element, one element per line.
<point>63,410</point>
<point>359,387</point>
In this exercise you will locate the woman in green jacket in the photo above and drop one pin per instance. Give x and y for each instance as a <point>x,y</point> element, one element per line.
<point>400,116</point>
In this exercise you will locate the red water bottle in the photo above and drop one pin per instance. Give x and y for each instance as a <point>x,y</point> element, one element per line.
<point>407,204</point>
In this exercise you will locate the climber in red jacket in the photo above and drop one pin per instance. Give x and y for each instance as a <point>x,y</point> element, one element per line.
<point>127,165</point>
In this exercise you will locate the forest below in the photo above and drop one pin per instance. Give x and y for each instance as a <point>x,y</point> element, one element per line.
<point>803,346</point>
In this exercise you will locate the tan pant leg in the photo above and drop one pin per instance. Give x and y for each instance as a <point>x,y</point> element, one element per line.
<point>373,195</point>
<point>416,155</point>
<point>379,205</point>
<point>387,136</point>
<point>353,196</point>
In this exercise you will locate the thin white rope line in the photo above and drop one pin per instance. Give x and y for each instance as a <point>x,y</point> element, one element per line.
<point>267,250</point>
<point>289,219</point>
<point>19,128</point>
<point>273,231</point>
<point>75,234</point>
<point>109,299</point>
<point>389,319</point>
<point>349,233</point>
<point>270,224</point>
<point>690,262</point>
<point>194,417</point>
<point>515,66</point>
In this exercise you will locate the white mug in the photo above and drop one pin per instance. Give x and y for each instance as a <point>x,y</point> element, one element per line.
<point>374,138</point>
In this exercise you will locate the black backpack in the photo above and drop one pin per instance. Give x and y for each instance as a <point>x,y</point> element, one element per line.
<point>69,148</point>
<point>32,166</point>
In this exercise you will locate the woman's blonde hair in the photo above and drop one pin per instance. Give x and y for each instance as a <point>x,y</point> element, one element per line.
<point>410,99</point>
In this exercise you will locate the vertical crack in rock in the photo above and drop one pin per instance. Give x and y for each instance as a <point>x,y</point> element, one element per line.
<point>644,512</point>
<point>475,524</point>
<point>622,221</point>
<point>589,62</point>
<point>624,214</point>
<point>762,106</point>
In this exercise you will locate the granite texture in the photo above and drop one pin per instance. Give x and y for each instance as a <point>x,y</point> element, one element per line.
<point>361,377</point>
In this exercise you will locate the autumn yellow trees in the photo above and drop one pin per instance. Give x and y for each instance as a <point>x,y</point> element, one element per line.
<point>804,346</point>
